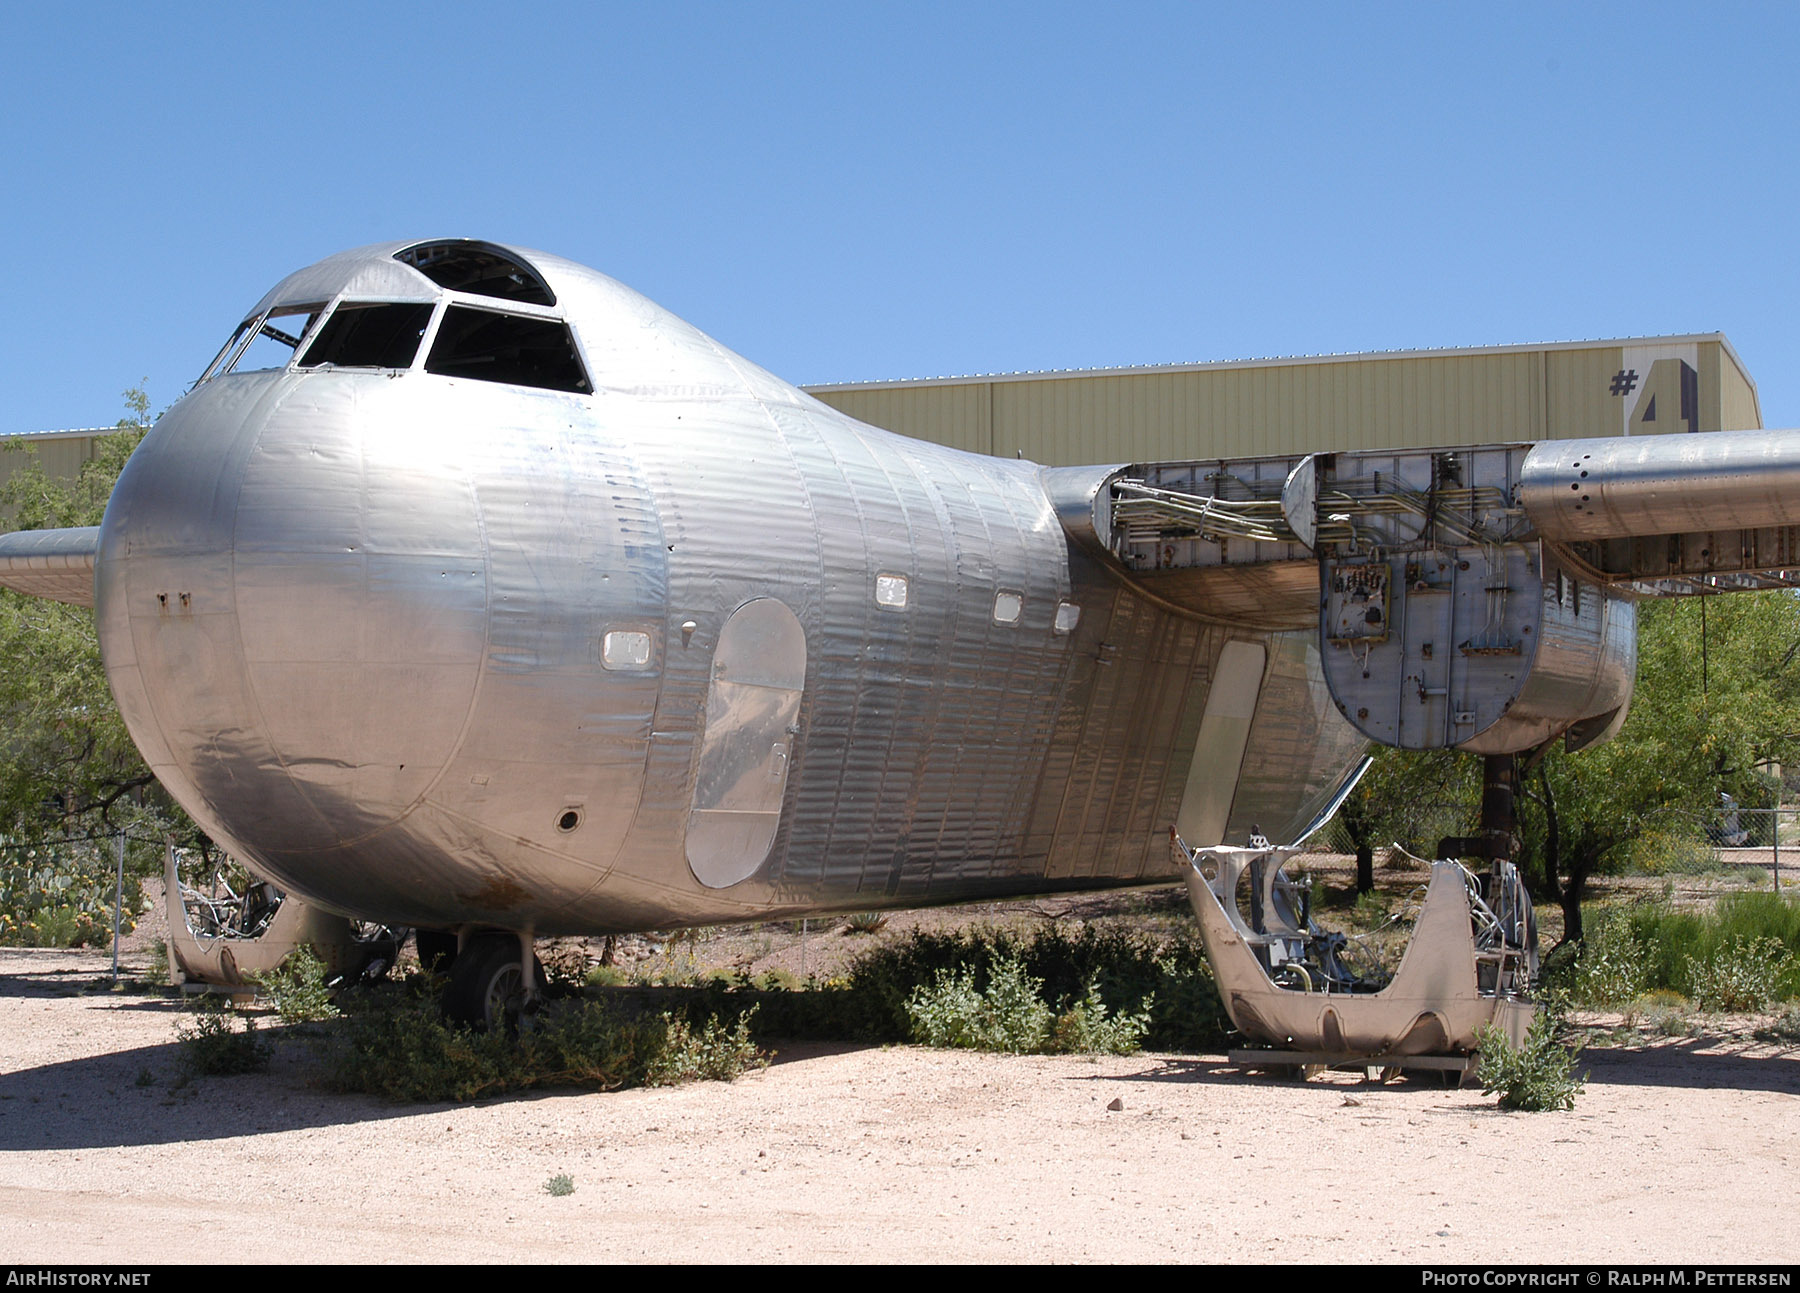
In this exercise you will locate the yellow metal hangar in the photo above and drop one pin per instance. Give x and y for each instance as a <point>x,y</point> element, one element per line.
<point>1318,403</point>
<point>1312,403</point>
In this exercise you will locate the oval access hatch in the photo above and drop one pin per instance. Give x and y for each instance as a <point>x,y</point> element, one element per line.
<point>759,671</point>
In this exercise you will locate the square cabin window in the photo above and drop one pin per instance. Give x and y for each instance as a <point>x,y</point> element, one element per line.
<point>890,592</point>
<point>1068,615</point>
<point>625,649</point>
<point>1008,606</point>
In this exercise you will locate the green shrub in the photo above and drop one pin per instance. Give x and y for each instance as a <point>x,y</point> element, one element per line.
<point>1610,969</point>
<point>297,988</point>
<point>1747,949</point>
<point>1010,1014</point>
<point>1007,1015</point>
<point>1086,1028</point>
<point>1535,1077</point>
<point>1742,975</point>
<point>212,1045</point>
<point>1129,972</point>
<point>709,1053</point>
<point>396,1044</point>
<point>560,1186</point>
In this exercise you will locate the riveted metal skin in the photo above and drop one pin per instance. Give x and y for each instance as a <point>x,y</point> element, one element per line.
<point>355,619</point>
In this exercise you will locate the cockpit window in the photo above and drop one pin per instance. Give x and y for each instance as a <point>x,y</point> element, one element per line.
<point>514,348</point>
<point>464,265</point>
<point>359,335</point>
<point>267,342</point>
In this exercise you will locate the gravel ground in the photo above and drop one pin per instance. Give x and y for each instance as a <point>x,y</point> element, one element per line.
<point>1679,1151</point>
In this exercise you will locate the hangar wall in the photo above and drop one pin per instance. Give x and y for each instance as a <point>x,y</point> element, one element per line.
<point>1388,399</point>
<point>1316,403</point>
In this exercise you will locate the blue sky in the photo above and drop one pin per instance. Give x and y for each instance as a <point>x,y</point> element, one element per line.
<point>845,191</point>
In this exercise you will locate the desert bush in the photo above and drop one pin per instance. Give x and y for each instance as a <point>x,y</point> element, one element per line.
<point>395,1043</point>
<point>1086,1028</point>
<point>296,988</point>
<point>1610,969</point>
<point>1007,1014</point>
<point>711,1052</point>
<point>1010,1014</point>
<point>1127,973</point>
<point>1747,949</point>
<point>1535,1077</point>
<point>213,1046</point>
<point>1742,975</point>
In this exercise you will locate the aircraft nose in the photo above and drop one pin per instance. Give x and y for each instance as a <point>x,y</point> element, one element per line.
<point>292,599</point>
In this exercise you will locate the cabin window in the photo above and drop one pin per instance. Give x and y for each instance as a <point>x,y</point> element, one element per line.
<point>890,592</point>
<point>1007,607</point>
<point>516,349</point>
<point>625,649</point>
<point>366,335</point>
<point>480,268</point>
<point>1068,615</point>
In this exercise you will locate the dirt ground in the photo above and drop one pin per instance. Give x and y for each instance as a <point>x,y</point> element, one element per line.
<point>1679,1151</point>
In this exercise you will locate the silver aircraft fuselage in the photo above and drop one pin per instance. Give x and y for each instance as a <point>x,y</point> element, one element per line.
<point>684,646</point>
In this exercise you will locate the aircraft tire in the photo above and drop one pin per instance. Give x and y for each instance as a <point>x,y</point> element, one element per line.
<point>487,982</point>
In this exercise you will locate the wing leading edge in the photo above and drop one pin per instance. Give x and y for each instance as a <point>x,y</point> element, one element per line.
<point>54,564</point>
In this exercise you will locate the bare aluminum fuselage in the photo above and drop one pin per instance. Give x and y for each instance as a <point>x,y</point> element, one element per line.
<point>354,620</point>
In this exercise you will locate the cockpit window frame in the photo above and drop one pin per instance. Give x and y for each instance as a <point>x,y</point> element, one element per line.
<point>486,305</point>
<point>539,292</point>
<point>439,299</point>
<point>232,353</point>
<point>435,308</point>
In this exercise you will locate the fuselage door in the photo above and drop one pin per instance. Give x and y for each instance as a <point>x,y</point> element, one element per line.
<point>752,712</point>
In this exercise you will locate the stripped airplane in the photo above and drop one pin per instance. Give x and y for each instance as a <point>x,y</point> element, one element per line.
<point>469,590</point>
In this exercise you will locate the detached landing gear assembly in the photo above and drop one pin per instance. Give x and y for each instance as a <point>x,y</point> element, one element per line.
<point>1287,987</point>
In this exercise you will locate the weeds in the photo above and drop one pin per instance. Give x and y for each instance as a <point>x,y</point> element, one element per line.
<point>1666,1013</point>
<point>709,1053</point>
<point>396,1044</point>
<point>1610,968</point>
<point>1785,1027</point>
<point>1740,956</point>
<point>1127,974</point>
<point>158,972</point>
<point>1086,1028</point>
<point>560,1186</point>
<point>297,988</point>
<point>212,1046</point>
<point>1536,1077</point>
<point>1010,1014</point>
<point>1007,1015</point>
<point>866,922</point>
<point>1742,976</point>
